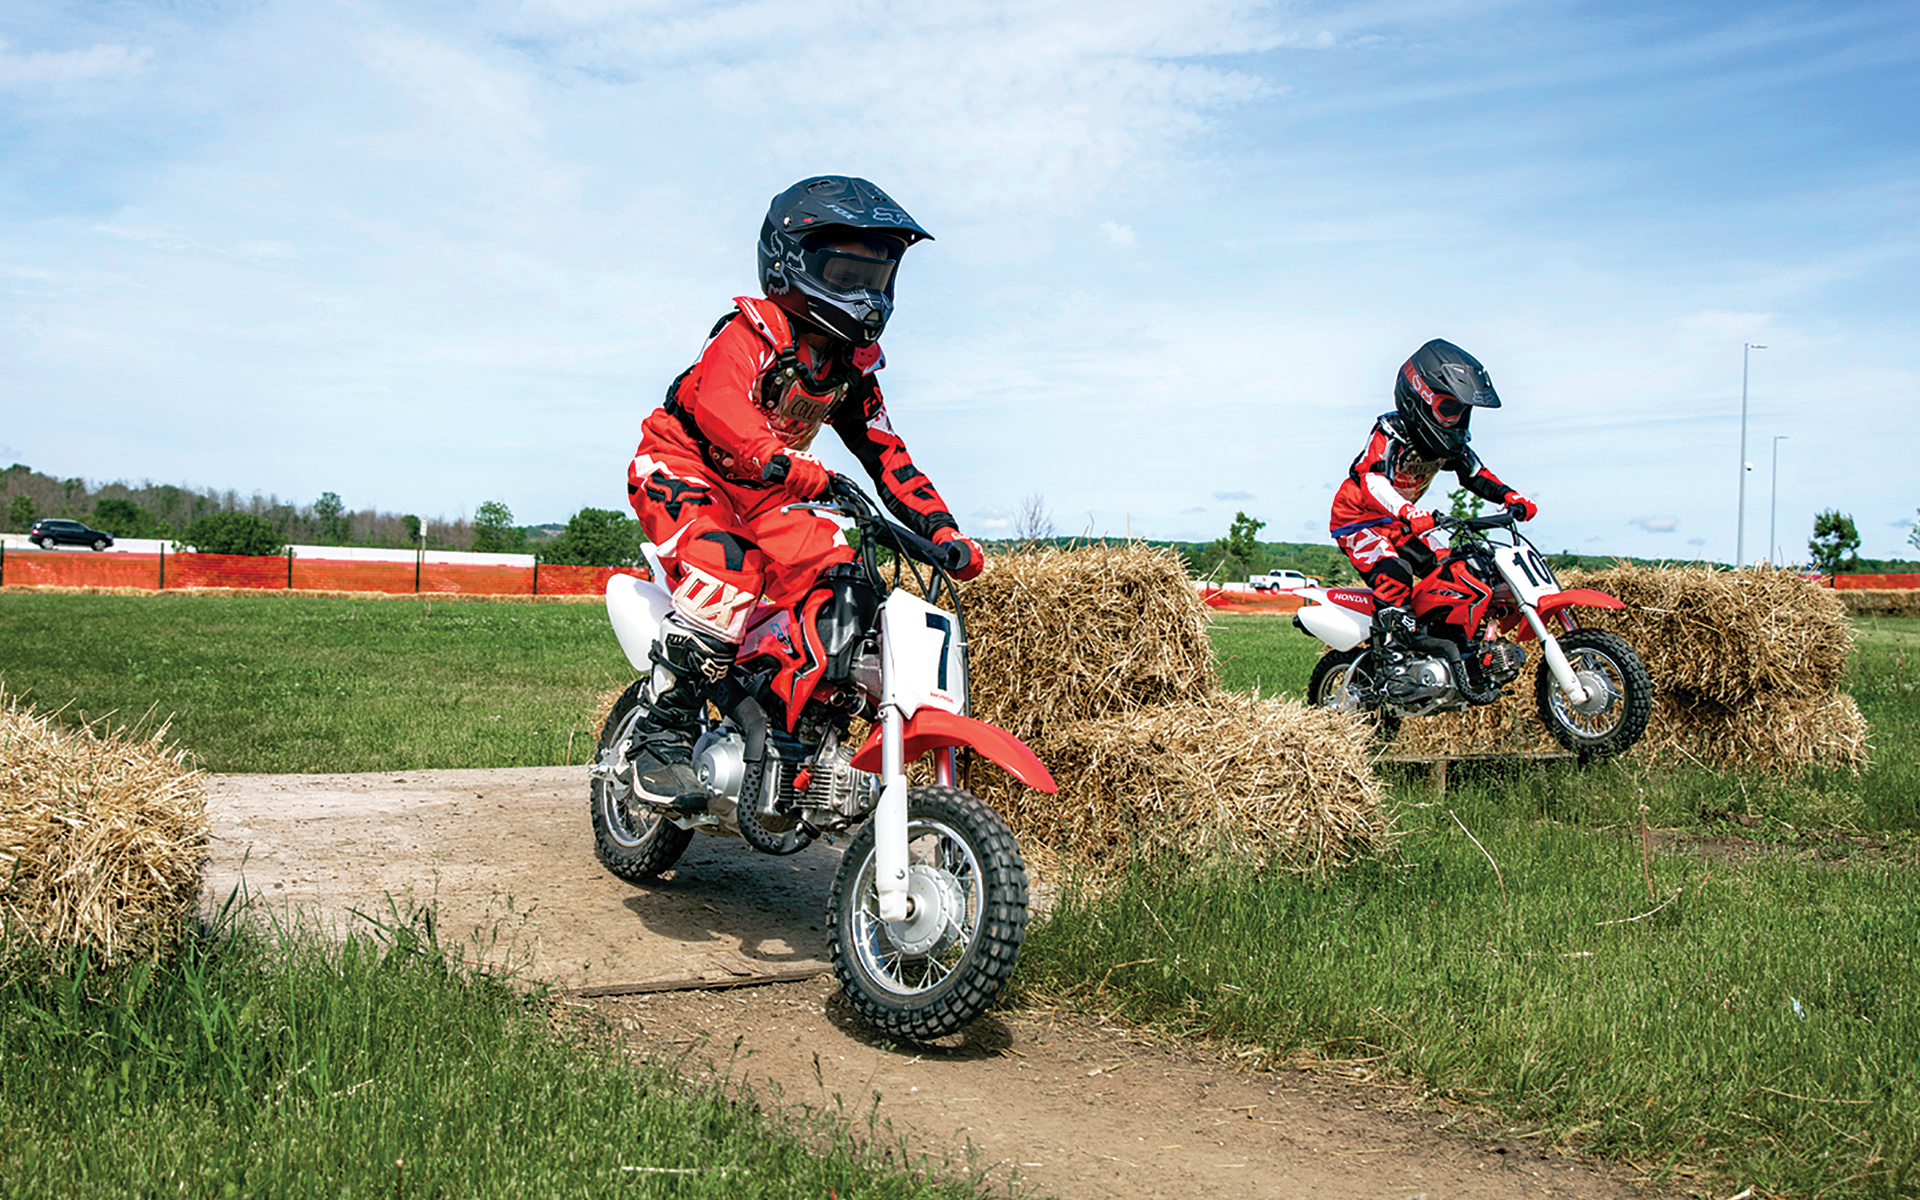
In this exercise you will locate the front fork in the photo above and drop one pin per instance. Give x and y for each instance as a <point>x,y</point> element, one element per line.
<point>1563,672</point>
<point>890,815</point>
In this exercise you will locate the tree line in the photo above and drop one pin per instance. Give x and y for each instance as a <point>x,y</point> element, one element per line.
<point>218,522</point>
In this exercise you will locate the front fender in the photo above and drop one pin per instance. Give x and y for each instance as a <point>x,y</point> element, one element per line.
<point>932,728</point>
<point>1554,602</point>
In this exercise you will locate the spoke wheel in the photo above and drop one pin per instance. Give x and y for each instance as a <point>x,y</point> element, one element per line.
<point>937,971</point>
<point>630,837</point>
<point>1619,701</point>
<point>1338,680</point>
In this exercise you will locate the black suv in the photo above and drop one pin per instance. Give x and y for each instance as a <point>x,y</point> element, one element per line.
<point>50,533</point>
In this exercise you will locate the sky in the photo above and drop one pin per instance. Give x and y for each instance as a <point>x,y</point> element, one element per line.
<point>426,255</point>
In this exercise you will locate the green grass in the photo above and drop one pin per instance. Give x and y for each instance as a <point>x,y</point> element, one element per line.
<point>293,1066</point>
<point>1256,650</point>
<point>1760,1027</point>
<point>291,683</point>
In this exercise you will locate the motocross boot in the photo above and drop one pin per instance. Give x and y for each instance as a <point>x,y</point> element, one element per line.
<point>1391,637</point>
<point>687,664</point>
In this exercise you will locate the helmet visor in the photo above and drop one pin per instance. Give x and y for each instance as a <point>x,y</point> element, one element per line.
<point>846,271</point>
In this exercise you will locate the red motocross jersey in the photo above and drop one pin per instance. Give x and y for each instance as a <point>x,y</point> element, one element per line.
<point>753,394</point>
<point>1390,474</point>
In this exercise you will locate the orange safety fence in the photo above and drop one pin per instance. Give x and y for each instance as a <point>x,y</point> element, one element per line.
<point>1250,602</point>
<point>557,580</point>
<point>279,572</point>
<point>1875,582</point>
<point>54,569</point>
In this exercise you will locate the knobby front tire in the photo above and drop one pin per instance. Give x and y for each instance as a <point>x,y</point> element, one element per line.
<point>1612,727</point>
<point>934,973</point>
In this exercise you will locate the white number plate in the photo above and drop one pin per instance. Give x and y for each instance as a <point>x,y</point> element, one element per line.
<point>1526,573</point>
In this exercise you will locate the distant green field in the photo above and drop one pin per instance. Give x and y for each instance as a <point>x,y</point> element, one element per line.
<point>293,683</point>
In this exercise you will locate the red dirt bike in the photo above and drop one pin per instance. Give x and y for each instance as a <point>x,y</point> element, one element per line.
<point>929,906</point>
<point>1592,691</point>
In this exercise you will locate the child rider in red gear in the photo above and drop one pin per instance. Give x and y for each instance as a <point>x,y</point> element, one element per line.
<point>1376,518</point>
<point>728,451</point>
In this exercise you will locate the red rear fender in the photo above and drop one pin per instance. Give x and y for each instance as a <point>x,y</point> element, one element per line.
<point>932,728</point>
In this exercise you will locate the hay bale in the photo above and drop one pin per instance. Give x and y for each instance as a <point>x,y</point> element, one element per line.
<point>1234,772</point>
<point>1776,733</point>
<point>1881,602</point>
<point>1509,725</point>
<point>1726,636</point>
<point>103,838</point>
<point>1057,636</point>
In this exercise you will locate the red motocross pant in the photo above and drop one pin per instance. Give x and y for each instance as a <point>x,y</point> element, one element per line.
<point>725,546</point>
<point>1391,568</point>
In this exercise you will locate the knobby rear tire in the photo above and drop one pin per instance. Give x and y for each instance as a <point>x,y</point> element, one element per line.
<point>631,838</point>
<point>1613,730</point>
<point>1330,680</point>
<point>918,996</point>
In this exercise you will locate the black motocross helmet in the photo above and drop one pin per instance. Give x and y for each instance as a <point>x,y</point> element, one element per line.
<point>848,294</point>
<point>1435,395</point>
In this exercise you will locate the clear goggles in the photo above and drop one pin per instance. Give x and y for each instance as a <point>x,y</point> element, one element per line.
<point>850,271</point>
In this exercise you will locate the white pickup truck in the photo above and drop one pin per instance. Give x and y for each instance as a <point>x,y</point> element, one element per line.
<point>1282,581</point>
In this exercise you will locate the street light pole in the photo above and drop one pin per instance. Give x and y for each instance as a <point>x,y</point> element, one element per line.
<point>1740,534</point>
<point>1773,506</point>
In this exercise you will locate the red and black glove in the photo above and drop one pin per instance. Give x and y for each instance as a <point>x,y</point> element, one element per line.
<point>961,569</point>
<point>1416,520</point>
<point>800,473</point>
<point>1521,507</point>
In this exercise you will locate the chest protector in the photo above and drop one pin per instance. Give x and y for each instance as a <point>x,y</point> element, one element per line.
<point>795,400</point>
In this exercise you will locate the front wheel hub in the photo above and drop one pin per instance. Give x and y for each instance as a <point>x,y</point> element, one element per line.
<point>1600,693</point>
<point>935,902</point>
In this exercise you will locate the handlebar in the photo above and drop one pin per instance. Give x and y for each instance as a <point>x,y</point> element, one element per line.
<point>846,495</point>
<point>1500,520</point>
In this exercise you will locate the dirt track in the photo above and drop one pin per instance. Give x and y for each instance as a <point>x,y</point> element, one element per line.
<point>1065,1105</point>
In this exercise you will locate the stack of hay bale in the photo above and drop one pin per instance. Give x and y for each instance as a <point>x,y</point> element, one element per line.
<point>1746,669</point>
<point>1098,658</point>
<point>103,839</point>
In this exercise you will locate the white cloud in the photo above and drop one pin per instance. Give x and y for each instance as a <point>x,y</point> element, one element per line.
<point>1656,524</point>
<point>70,66</point>
<point>1234,496</point>
<point>1120,235</point>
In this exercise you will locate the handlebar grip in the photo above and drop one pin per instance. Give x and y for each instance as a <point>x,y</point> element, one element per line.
<point>776,469</point>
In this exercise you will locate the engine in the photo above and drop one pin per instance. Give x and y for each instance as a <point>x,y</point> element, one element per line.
<point>1420,685</point>
<point>837,786</point>
<point>1501,662</point>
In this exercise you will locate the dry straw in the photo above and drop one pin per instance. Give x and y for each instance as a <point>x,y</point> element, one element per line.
<point>1098,658</point>
<point>1057,636</point>
<point>103,838</point>
<point>1726,636</point>
<point>1234,773</point>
